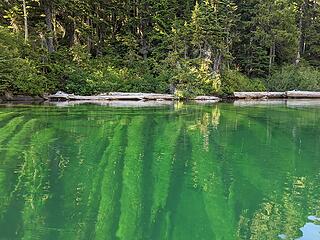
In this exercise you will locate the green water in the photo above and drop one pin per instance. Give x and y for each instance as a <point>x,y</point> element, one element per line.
<point>173,172</point>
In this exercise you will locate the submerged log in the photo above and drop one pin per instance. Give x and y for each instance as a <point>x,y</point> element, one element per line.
<point>257,95</point>
<point>302,94</point>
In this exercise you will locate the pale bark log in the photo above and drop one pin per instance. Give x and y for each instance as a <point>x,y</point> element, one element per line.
<point>255,95</point>
<point>302,94</point>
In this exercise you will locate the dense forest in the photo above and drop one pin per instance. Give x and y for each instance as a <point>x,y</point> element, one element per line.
<point>184,46</point>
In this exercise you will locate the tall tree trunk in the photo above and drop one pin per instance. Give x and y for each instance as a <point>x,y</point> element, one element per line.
<point>89,38</point>
<point>185,50</point>
<point>48,17</point>
<point>144,48</point>
<point>26,33</point>
<point>144,23</point>
<point>114,25</point>
<point>272,54</point>
<point>217,62</point>
<point>70,33</point>
<point>69,27</point>
<point>301,34</point>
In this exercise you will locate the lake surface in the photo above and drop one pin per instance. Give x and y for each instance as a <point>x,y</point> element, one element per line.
<point>172,172</point>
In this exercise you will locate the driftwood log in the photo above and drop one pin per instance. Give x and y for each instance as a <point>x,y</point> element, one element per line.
<point>257,95</point>
<point>302,94</point>
<point>121,96</point>
<point>61,96</point>
<point>270,95</point>
<point>206,98</point>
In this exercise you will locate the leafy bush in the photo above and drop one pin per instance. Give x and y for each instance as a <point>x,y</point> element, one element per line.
<point>234,81</point>
<point>18,74</point>
<point>190,81</point>
<point>293,77</point>
<point>95,76</point>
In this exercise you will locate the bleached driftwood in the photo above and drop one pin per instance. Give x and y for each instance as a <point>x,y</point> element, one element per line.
<point>257,95</point>
<point>114,96</point>
<point>268,95</point>
<point>206,98</point>
<point>302,94</point>
<point>61,96</point>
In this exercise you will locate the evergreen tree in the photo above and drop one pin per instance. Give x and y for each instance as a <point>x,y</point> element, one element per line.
<point>159,42</point>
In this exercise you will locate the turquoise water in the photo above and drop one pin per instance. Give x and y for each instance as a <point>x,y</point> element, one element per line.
<point>171,172</point>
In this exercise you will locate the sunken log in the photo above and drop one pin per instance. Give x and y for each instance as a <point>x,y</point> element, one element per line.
<point>259,95</point>
<point>302,94</point>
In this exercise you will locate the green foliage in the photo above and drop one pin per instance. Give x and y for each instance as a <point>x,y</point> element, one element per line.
<point>90,47</point>
<point>101,76</point>
<point>18,74</point>
<point>191,81</point>
<point>234,81</point>
<point>294,77</point>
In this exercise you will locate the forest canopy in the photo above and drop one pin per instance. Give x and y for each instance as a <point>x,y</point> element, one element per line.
<point>194,47</point>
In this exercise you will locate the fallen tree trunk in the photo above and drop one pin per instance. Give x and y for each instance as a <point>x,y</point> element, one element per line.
<point>257,95</point>
<point>114,96</point>
<point>268,95</point>
<point>206,98</point>
<point>302,94</point>
<point>61,96</point>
